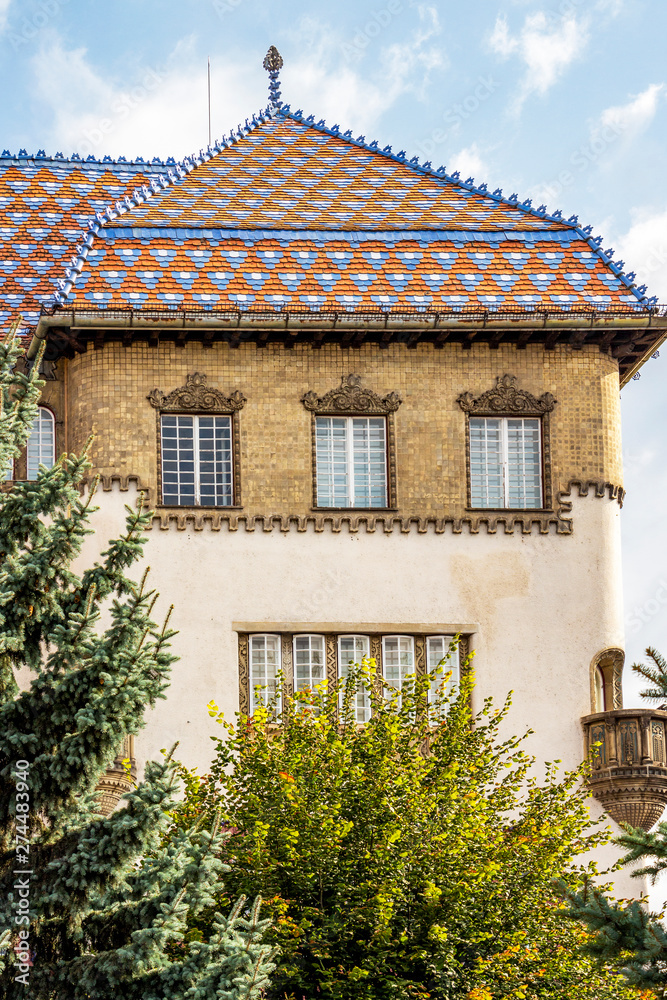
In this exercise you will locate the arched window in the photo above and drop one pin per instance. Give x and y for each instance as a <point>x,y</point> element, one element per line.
<point>600,701</point>
<point>41,443</point>
<point>606,676</point>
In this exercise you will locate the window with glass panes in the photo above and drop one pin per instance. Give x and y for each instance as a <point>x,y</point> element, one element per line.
<point>437,650</point>
<point>309,661</point>
<point>197,460</point>
<point>506,462</point>
<point>352,649</point>
<point>398,659</point>
<point>264,659</point>
<point>41,449</point>
<point>351,461</point>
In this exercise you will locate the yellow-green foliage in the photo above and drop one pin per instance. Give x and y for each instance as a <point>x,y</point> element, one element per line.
<point>410,857</point>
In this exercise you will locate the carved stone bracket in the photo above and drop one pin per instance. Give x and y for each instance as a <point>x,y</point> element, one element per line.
<point>506,397</point>
<point>352,397</point>
<point>196,397</point>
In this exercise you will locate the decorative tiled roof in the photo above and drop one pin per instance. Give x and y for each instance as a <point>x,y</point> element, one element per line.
<point>293,215</point>
<point>46,204</point>
<point>289,216</point>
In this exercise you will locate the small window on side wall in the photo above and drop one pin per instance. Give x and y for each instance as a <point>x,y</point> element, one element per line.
<point>198,434</point>
<point>353,446</point>
<point>41,449</point>
<point>508,447</point>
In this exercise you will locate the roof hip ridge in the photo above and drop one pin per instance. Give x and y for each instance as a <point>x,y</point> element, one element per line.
<point>117,209</point>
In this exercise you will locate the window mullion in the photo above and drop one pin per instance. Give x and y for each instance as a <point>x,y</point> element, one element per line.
<point>195,436</point>
<point>504,424</point>
<point>350,461</point>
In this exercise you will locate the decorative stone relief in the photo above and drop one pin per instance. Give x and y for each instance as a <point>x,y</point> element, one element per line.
<point>196,397</point>
<point>352,397</point>
<point>507,398</point>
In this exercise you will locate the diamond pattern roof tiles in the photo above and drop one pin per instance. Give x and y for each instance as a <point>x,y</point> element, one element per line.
<point>284,215</point>
<point>44,208</point>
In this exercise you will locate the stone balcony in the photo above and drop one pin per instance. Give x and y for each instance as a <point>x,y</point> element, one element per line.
<point>629,764</point>
<point>118,780</point>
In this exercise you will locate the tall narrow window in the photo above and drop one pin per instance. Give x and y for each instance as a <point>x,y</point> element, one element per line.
<point>41,448</point>
<point>437,649</point>
<point>197,468</point>
<point>264,670</point>
<point>351,457</point>
<point>309,661</point>
<point>600,700</point>
<point>353,649</point>
<point>398,659</point>
<point>505,462</point>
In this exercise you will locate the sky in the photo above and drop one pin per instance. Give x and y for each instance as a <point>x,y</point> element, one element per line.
<point>564,101</point>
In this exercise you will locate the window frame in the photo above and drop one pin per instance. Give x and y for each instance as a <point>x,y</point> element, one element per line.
<point>390,460</point>
<point>504,418</point>
<point>195,417</point>
<point>251,686</point>
<point>309,635</point>
<point>455,680</point>
<point>349,450</point>
<point>509,400</point>
<point>361,693</point>
<point>331,635</point>
<point>197,399</point>
<point>41,408</point>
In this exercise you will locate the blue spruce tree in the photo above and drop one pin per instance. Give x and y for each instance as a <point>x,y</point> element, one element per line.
<point>92,906</point>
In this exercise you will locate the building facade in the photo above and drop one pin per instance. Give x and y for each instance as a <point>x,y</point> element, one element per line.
<point>371,405</point>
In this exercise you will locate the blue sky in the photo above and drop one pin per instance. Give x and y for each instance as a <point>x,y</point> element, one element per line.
<point>564,101</point>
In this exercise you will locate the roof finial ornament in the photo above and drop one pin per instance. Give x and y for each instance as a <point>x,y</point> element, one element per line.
<point>273,62</point>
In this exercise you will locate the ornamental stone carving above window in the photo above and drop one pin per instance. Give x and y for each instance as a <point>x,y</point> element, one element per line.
<point>352,397</point>
<point>196,397</point>
<point>507,397</point>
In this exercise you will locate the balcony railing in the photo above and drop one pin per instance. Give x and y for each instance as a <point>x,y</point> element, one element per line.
<point>627,749</point>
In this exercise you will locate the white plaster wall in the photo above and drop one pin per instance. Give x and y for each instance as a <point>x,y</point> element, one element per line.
<point>543,606</point>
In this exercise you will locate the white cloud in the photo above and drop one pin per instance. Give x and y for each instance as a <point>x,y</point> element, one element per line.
<point>637,114</point>
<point>4,13</point>
<point>612,7</point>
<point>162,111</point>
<point>469,163</point>
<point>545,44</point>
<point>644,249</point>
<point>328,78</point>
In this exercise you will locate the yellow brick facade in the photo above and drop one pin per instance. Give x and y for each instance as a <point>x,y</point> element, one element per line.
<point>106,393</point>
